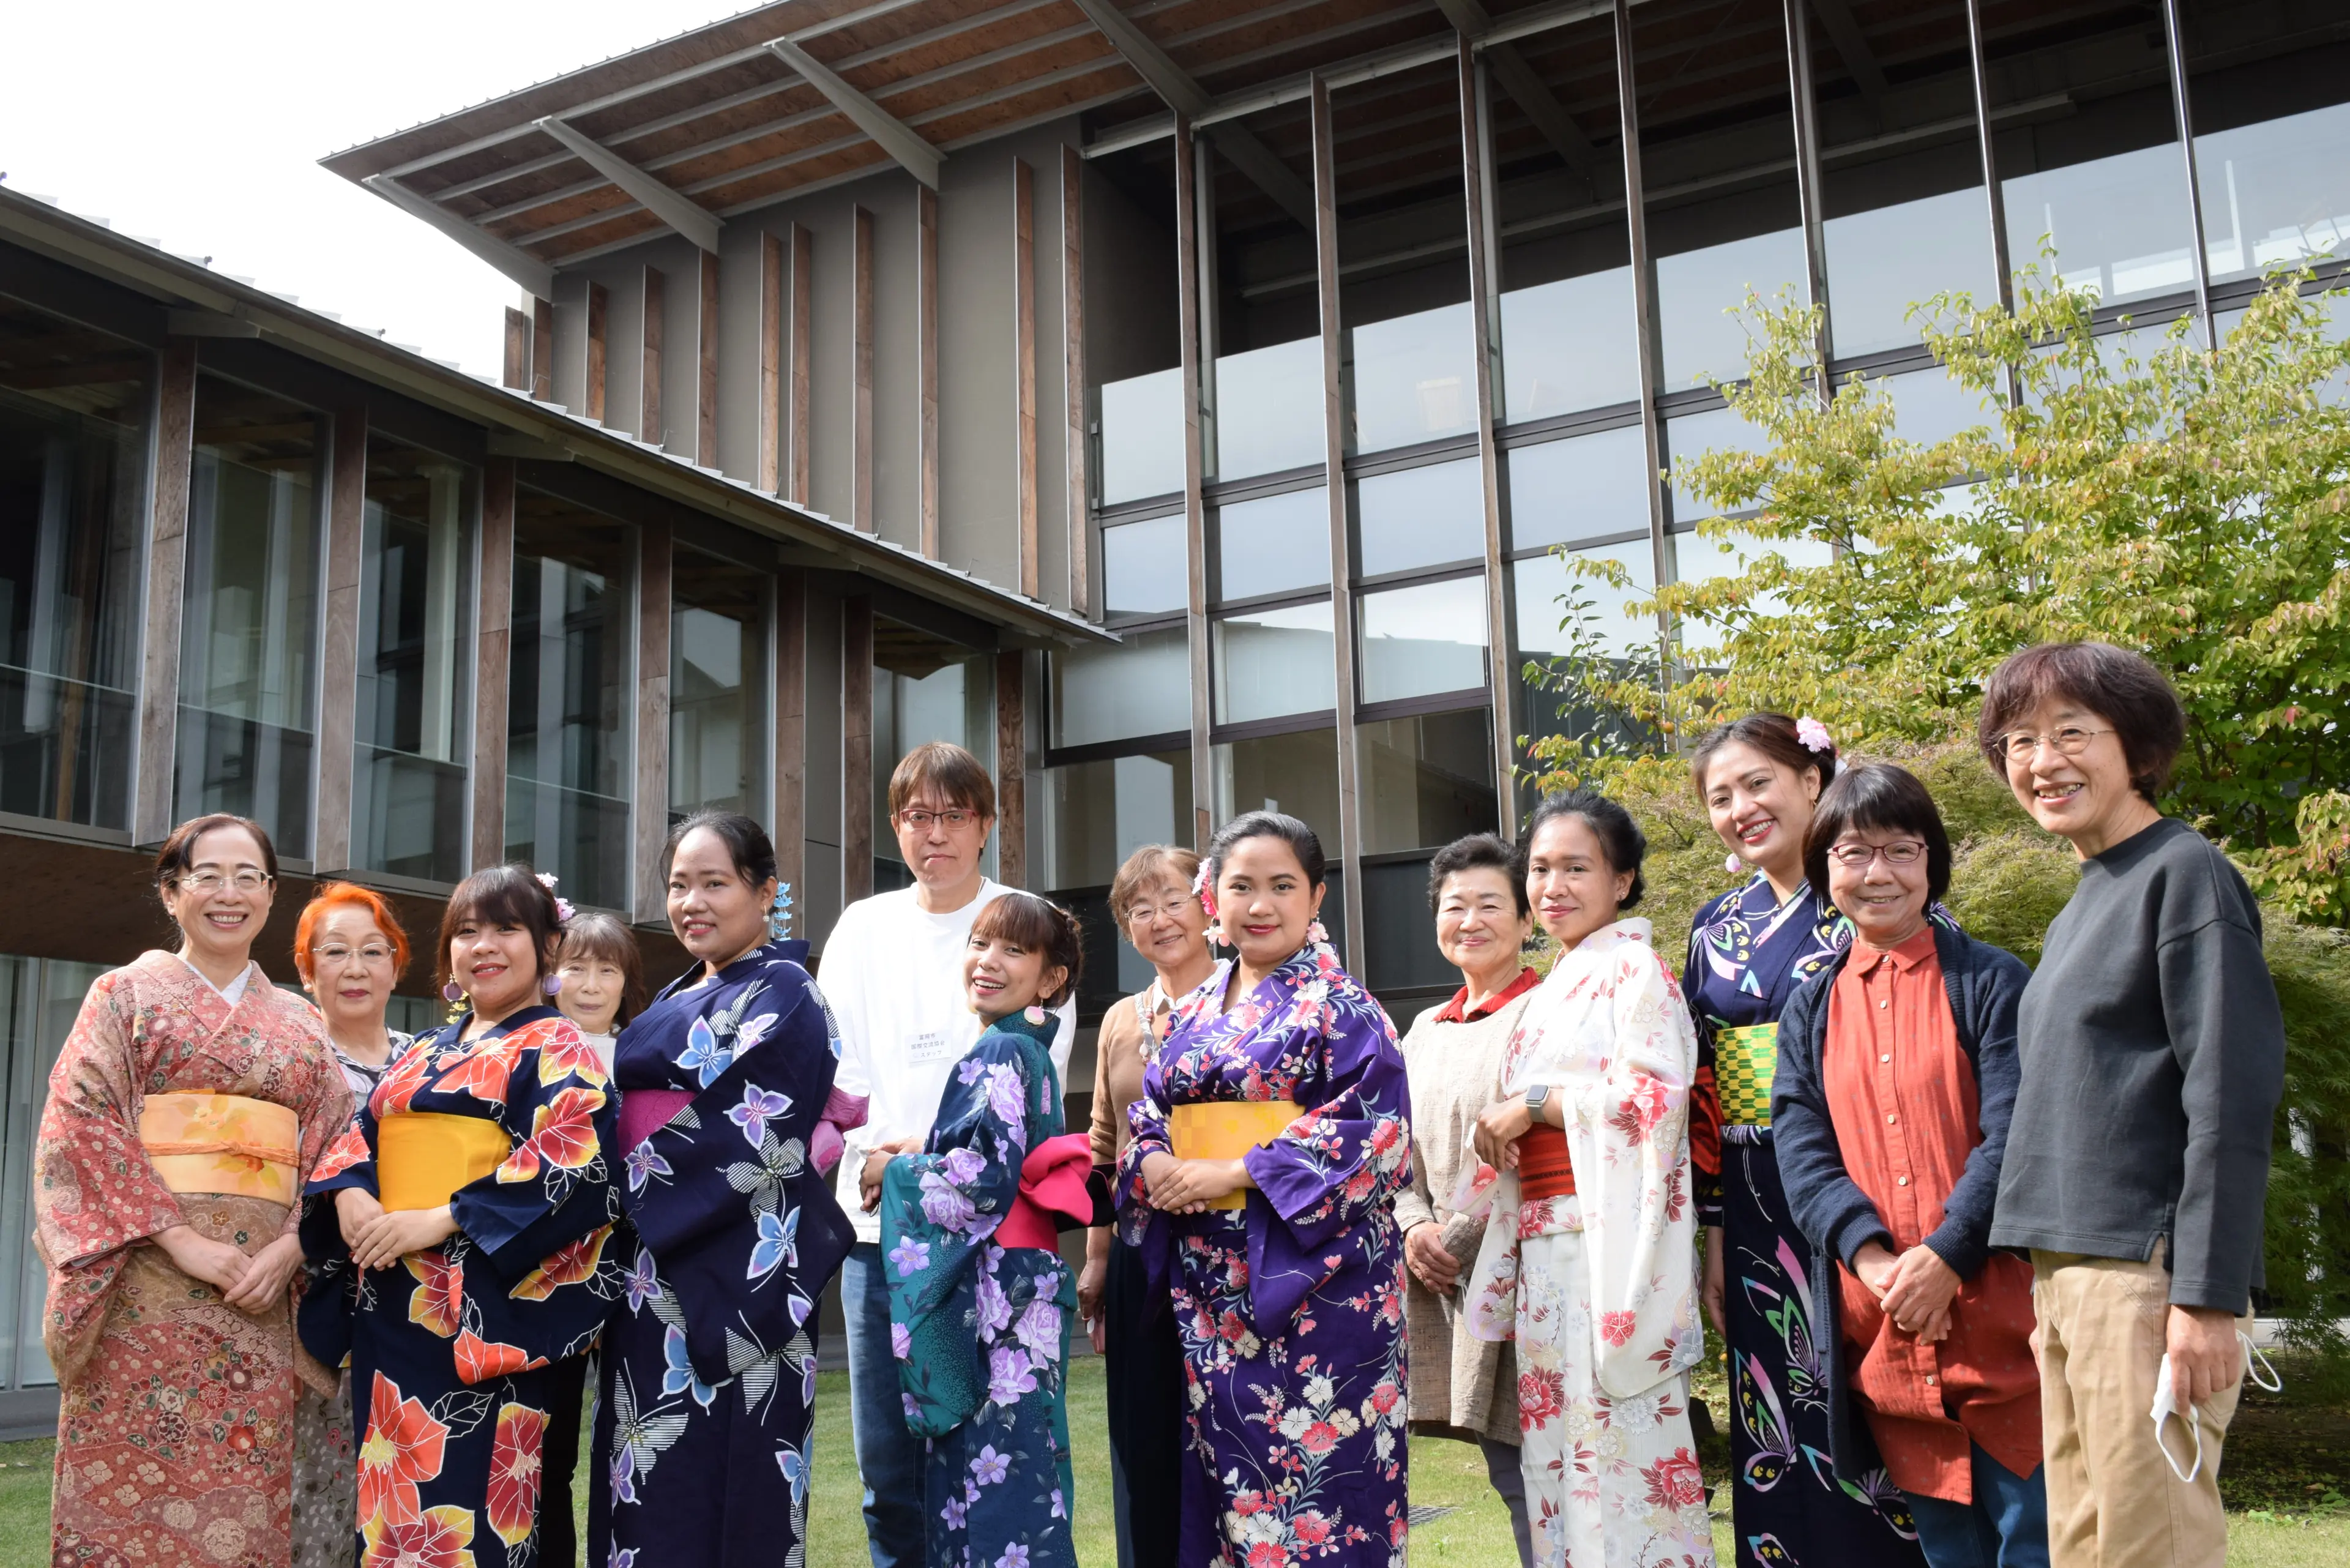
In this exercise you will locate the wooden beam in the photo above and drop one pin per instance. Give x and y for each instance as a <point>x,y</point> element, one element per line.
<point>1478,181</point>
<point>649,391</point>
<point>860,407</point>
<point>1858,57</point>
<point>790,771</point>
<point>1334,438</point>
<point>803,312</point>
<point>705,384</point>
<point>332,835</point>
<point>1023,384</point>
<point>650,817</point>
<point>1524,85</point>
<point>926,332</point>
<point>1078,449</point>
<point>493,656</point>
<point>1195,510</point>
<point>856,749</point>
<point>152,818</point>
<point>916,156</point>
<point>771,361</point>
<point>542,350</point>
<point>665,201</point>
<point>600,310</point>
<point>1012,768</point>
<point>517,365</point>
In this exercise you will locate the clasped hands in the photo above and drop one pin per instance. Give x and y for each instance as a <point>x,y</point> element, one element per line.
<point>1915,1288</point>
<point>251,1284</point>
<point>378,1237</point>
<point>1175,1186</point>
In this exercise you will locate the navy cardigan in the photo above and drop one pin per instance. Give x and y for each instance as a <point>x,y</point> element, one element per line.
<point>1984,984</point>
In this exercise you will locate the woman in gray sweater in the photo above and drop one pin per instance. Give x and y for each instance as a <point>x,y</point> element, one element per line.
<point>2152,1055</point>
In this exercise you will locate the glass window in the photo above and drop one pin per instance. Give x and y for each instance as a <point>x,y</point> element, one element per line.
<point>1269,409</point>
<point>1715,430</point>
<point>1142,437</point>
<point>1883,260</point>
<point>1423,640</point>
<point>1101,812</point>
<point>1273,662</point>
<point>2119,224</point>
<point>717,687</point>
<point>1273,545</point>
<point>2276,193</point>
<point>924,689</point>
<point>1143,569</point>
<point>1570,344</point>
<point>1928,406</point>
<point>1697,290</point>
<point>40,1000</point>
<point>1541,585</point>
<point>1142,687</point>
<point>1696,558</point>
<point>1296,773</point>
<point>248,641</point>
<point>570,697</point>
<point>408,779</point>
<point>73,495</point>
<point>1426,779</point>
<point>1425,516</point>
<point>1581,488</point>
<point>1400,933</point>
<point>1412,378</point>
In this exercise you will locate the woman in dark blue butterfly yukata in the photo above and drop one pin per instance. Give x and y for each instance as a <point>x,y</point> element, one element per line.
<point>706,1393</point>
<point>980,1301</point>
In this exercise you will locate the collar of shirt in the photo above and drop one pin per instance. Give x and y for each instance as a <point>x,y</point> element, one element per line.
<point>1458,1011</point>
<point>1906,955</point>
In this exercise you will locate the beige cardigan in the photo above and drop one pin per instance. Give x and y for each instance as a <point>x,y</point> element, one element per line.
<point>1461,1386</point>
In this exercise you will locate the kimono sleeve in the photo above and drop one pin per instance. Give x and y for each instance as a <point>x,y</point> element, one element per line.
<point>555,1188</point>
<point>1705,1105</point>
<point>1352,1152</point>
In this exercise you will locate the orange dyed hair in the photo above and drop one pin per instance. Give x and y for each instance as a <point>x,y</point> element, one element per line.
<point>333,895</point>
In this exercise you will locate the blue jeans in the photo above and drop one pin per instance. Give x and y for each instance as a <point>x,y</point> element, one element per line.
<point>889,1458</point>
<point>2006,1526</point>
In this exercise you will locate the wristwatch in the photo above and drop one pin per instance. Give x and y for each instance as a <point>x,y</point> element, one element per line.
<point>1537,1097</point>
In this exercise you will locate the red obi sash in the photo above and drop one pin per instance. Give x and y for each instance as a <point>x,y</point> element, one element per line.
<point>1543,1169</point>
<point>1052,1182</point>
<point>644,1111</point>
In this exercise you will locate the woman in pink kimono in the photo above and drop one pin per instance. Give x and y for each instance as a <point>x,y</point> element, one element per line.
<point>190,1101</point>
<point>1589,1258</point>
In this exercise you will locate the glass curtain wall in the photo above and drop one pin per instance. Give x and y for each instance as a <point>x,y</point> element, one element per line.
<point>73,493</point>
<point>924,689</point>
<point>408,810</point>
<point>570,697</point>
<point>2270,95</point>
<point>717,686</point>
<point>39,999</point>
<point>249,627</point>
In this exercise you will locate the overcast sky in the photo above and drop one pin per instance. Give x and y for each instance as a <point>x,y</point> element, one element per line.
<point>201,126</point>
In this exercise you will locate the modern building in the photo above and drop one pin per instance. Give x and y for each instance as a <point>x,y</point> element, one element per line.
<point>1187,404</point>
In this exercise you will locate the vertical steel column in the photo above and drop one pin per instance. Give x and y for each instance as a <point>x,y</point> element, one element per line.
<point>494,657</point>
<point>2000,261</point>
<point>2174,46</point>
<point>1342,596</point>
<point>1195,512</point>
<point>649,814</point>
<point>1644,306</point>
<point>333,838</point>
<point>1484,310</point>
<point>1077,494</point>
<point>153,795</point>
<point>788,692</point>
<point>1211,294</point>
<point>1807,184</point>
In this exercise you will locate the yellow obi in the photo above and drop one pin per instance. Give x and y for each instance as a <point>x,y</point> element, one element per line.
<point>227,1143</point>
<point>1745,1060</point>
<point>423,1158</point>
<point>1227,1130</point>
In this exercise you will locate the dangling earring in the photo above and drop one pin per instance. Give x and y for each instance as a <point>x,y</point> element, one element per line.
<point>1316,933</point>
<point>1732,863</point>
<point>779,915</point>
<point>459,1003</point>
<point>552,985</point>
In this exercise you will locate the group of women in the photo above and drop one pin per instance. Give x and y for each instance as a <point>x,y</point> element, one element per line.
<point>1308,1239</point>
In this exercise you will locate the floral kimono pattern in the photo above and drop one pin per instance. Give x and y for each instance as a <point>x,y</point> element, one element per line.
<point>449,1348</point>
<point>175,1419</point>
<point>1749,952</point>
<point>1290,1308</point>
<point>705,1398</point>
<point>980,1330</point>
<point>1598,1287</point>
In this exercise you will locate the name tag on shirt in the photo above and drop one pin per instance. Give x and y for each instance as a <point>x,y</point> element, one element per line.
<point>928,1047</point>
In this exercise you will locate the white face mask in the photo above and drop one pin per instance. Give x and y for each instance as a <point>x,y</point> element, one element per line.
<point>2257,1367</point>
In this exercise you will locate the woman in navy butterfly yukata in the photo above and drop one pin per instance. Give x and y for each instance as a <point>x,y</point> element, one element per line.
<point>462,1244</point>
<point>980,1301</point>
<point>705,1403</point>
<point>1270,1145</point>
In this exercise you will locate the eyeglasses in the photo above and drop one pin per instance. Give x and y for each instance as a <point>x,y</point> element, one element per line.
<point>955,818</point>
<point>209,882</point>
<point>2069,742</point>
<point>1144,914</point>
<point>374,955</point>
<point>1901,852</point>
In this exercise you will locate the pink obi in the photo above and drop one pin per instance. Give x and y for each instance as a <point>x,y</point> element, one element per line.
<point>1052,1182</point>
<point>644,1111</point>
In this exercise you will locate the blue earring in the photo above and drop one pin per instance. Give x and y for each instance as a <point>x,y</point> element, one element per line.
<point>779,918</point>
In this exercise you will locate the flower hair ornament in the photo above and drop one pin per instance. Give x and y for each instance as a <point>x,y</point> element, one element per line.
<point>1813,735</point>
<point>562,910</point>
<point>1317,935</point>
<point>1204,888</point>
<point>779,917</point>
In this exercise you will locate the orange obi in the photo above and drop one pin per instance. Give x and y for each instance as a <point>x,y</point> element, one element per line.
<point>223,1144</point>
<point>1543,1169</point>
<point>423,1158</point>
<point>1227,1130</point>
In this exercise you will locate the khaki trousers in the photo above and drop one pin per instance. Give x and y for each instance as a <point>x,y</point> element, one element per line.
<point>2113,1501</point>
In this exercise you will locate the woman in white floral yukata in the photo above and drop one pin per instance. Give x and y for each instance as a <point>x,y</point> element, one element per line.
<point>1589,1260</point>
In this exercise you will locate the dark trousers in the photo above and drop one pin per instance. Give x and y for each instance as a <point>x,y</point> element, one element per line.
<point>558,1541</point>
<point>1142,1365</point>
<point>2006,1526</point>
<point>889,1459</point>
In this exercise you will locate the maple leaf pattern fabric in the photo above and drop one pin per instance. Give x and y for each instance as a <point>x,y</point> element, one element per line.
<point>449,1348</point>
<point>1290,1308</point>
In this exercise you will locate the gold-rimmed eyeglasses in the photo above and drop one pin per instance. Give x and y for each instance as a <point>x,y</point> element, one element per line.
<point>207,883</point>
<point>2070,741</point>
<point>1144,914</point>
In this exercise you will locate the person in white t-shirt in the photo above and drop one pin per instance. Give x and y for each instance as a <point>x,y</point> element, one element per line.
<point>893,973</point>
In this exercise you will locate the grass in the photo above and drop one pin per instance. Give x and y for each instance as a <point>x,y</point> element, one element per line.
<point>2288,1458</point>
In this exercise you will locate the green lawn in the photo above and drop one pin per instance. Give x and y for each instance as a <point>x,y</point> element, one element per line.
<point>2299,1520</point>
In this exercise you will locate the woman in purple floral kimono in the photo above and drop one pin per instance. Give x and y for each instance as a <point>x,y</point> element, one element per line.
<point>1270,1144</point>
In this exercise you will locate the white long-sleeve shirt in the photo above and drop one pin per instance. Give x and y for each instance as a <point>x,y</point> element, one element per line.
<point>893,975</point>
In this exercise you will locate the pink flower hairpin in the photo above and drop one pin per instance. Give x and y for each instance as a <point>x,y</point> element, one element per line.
<point>1813,735</point>
<point>562,910</point>
<point>1203,889</point>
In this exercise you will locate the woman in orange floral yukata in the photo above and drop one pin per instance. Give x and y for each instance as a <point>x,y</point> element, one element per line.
<point>463,1241</point>
<point>186,1105</point>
